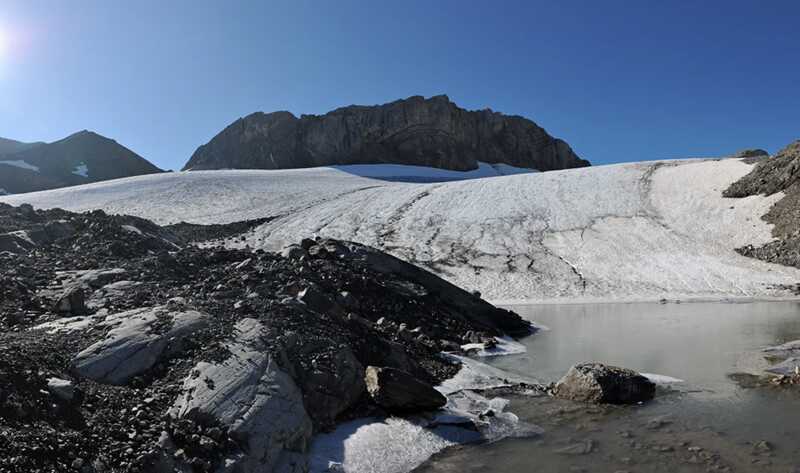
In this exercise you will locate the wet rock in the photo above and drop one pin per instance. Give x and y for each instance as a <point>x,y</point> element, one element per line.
<point>139,339</point>
<point>398,391</point>
<point>580,448</point>
<point>255,400</point>
<point>788,367</point>
<point>596,382</point>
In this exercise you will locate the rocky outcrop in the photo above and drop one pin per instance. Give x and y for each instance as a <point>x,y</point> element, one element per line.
<point>398,391</point>
<point>431,132</point>
<point>779,173</point>
<point>254,400</point>
<point>138,340</point>
<point>596,382</point>
<point>80,158</point>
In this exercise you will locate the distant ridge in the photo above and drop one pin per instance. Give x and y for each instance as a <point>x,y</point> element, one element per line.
<point>432,132</point>
<point>80,158</point>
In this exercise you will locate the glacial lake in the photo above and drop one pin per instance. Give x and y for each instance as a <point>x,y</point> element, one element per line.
<point>708,422</point>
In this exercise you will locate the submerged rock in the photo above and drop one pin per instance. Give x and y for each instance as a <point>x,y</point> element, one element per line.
<point>140,339</point>
<point>596,382</point>
<point>398,391</point>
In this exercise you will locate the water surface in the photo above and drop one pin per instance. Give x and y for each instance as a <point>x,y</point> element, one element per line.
<point>706,423</point>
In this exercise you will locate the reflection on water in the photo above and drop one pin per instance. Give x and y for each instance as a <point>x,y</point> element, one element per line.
<point>700,343</point>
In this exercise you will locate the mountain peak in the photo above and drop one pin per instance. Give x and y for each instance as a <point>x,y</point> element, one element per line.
<point>420,131</point>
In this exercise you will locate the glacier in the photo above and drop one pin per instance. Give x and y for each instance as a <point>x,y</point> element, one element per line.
<point>624,232</point>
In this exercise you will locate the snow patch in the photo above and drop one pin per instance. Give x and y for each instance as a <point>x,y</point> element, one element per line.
<point>661,379</point>
<point>81,170</point>
<point>21,164</point>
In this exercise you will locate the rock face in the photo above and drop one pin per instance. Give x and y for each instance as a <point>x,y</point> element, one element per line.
<point>254,400</point>
<point>137,342</point>
<point>80,158</point>
<point>431,132</point>
<point>398,391</point>
<point>595,382</point>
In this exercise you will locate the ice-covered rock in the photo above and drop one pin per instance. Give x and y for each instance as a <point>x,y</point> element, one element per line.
<point>139,339</point>
<point>255,400</point>
<point>596,382</point>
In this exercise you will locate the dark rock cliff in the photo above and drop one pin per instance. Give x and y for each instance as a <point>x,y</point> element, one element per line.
<point>416,131</point>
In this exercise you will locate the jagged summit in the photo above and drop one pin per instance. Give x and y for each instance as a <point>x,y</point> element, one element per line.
<point>431,132</point>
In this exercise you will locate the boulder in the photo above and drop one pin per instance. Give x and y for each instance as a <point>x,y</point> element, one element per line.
<point>398,391</point>
<point>72,302</point>
<point>255,400</point>
<point>62,389</point>
<point>140,339</point>
<point>788,367</point>
<point>596,382</point>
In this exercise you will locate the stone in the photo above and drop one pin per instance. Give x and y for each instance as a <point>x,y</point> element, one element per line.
<point>72,302</point>
<point>255,400</point>
<point>431,132</point>
<point>62,389</point>
<point>138,340</point>
<point>788,367</point>
<point>599,383</point>
<point>398,391</point>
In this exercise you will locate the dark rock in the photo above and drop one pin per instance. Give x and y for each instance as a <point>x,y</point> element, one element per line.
<point>596,382</point>
<point>72,302</point>
<point>397,391</point>
<point>59,163</point>
<point>416,131</point>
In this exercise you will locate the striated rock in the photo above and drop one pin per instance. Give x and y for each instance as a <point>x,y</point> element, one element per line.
<point>139,339</point>
<point>596,382</point>
<point>398,391</point>
<point>431,132</point>
<point>255,400</point>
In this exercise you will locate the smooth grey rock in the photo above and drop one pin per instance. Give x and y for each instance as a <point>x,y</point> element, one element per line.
<point>398,391</point>
<point>63,389</point>
<point>139,339</point>
<point>416,131</point>
<point>255,400</point>
<point>788,367</point>
<point>786,350</point>
<point>596,382</point>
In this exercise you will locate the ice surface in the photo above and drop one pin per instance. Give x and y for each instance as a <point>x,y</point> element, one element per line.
<point>635,231</point>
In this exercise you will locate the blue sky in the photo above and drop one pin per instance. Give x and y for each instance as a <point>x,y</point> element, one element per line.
<point>619,80</point>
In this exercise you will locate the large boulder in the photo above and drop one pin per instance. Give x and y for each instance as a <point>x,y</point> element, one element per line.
<point>596,382</point>
<point>138,340</point>
<point>254,400</point>
<point>398,391</point>
<point>416,131</point>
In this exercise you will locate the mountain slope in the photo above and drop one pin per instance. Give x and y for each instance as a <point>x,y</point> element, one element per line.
<point>431,132</point>
<point>13,146</point>
<point>638,231</point>
<point>81,158</point>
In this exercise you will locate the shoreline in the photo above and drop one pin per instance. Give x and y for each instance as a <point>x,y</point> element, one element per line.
<point>642,300</point>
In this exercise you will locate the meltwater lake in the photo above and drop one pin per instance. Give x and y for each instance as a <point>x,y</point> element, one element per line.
<point>702,419</point>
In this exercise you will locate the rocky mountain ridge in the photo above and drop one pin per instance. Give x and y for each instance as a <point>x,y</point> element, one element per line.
<point>80,158</point>
<point>432,132</point>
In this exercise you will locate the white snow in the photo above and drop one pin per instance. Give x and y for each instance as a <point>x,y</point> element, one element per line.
<point>634,231</point>
<point>661,378</point>
<point>21,164</point>
<point>81,170</point>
